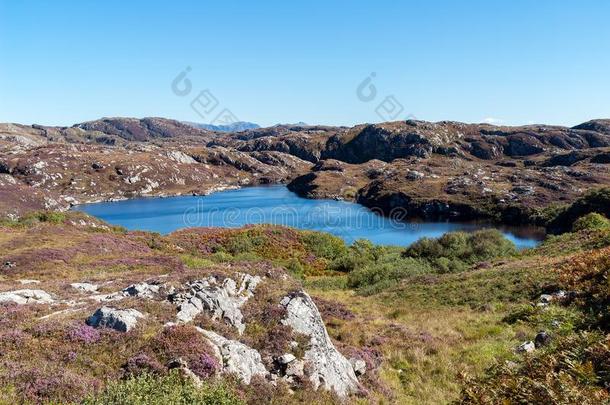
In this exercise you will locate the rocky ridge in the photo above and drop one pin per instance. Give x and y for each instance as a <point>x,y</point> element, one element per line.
<point>447,170</point>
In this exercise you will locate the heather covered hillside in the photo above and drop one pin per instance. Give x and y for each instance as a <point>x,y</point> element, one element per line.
<point>268,314</point>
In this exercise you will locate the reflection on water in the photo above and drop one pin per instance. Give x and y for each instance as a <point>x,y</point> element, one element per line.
<point>277,205</point>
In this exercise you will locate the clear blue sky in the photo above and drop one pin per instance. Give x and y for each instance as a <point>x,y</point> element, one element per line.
<point>285,61</point>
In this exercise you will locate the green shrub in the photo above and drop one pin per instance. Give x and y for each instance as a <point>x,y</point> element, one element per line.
<point>456,251</point>
<point>239,243</point>
<point>344,264</point>
<point>171,389</point>
<point>359,254</point>
<point>221,257</point>
<point>445,265</point>
<point>295,268</point>
<point>324,245</point>
<point>592,221</point>
<point>53,217</point>
<point>377,276</point>
<point>594,201</point>
<point>195,262</point>
<point>326,283</point>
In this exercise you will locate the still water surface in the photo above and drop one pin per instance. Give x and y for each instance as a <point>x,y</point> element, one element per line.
<point>278,205</point>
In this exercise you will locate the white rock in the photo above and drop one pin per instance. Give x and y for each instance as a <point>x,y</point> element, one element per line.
<point>122,320</point>
<point>143,290</point>
<point>26,297</point>
<point>329,368</point>
<point>526,347</point>
<point>180,157</point>
<point>358,365</point>
<point>286,358</point>
<point>296,369</point>
<point>24,282</point>
<point>86,287</point>
<point>235,357</point>
<point>546,298</point>
<point>221,300</point>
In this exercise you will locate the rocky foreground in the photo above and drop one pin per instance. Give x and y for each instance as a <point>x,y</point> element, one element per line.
<point>129,302</point>
<point>96,314</point>
<point>444,170</point>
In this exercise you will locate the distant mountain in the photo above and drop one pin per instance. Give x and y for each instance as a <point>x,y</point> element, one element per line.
<point>235,127</point>
<point>297,124</point>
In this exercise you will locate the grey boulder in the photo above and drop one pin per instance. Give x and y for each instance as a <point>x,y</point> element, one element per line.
<point>122,320</point>
<point>526,347</point>
<point>358,365</point>
<point>327,367</point>
<point>221,299</point>
<point>236,358</point>
<point>85,287</point>
<point>142,290</point>
<point>542,339</point>
<point>22,297</point>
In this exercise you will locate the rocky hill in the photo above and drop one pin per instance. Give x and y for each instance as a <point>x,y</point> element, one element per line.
<point>446,170</point>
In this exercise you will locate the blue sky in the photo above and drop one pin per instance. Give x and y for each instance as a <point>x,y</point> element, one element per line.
<point>506,61</point>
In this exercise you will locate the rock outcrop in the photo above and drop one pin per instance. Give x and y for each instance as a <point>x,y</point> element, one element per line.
<point>143,290</point>
<point>222,300</point>
<point>526,347</point>
<point>85,287</point>
<point>122,320</point>
<point>235,357</point>
<point>328,368</point>
<point>22,297</point>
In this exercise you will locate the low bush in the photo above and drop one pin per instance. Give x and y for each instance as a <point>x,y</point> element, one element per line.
<point>295,268</point>
<point>456,251</point>
<point>359,254</point>
<point>324,245</point>
<point>243,243</point>
<point>592,221</point>
<point>372,269</point>
<point>385,273</point>
<point>594,201</point>
<point>32,218</point>
<point>183,341</point>
<point>170,389</point>
<point>142,363</point>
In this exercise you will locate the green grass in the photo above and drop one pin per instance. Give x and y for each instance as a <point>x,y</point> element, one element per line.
<point>194,262</point>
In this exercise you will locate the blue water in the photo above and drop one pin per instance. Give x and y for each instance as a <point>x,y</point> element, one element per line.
<point>278,205</point>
